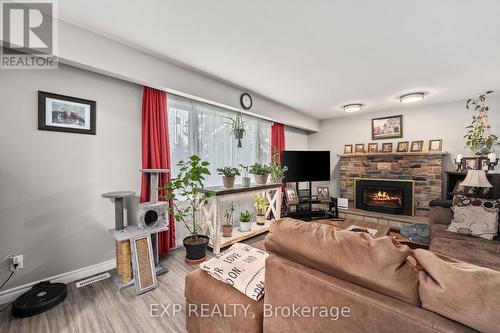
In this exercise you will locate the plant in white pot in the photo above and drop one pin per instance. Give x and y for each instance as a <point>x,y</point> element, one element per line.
<point>245,180</point>
<point>186,188</point>
<point>260,205</point>
<point>479,138</point>
<point>227,227</point>
<point>245,221</point>
<point>228,175</point>
<point>238,127</point>
<point>260,172</point>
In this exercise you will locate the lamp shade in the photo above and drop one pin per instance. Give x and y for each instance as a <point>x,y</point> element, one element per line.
<point>476,178</point>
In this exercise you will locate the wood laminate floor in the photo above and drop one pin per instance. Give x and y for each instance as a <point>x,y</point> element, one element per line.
<point>100,307</point>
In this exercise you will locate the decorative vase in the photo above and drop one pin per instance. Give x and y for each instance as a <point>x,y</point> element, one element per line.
<point>196,249</point>
<point>227,230</point>
<point>482,149</point>
<point>228,181</point>
<point>261,179</point>
<point>261,219</point>
<point>245,226</point>
<point>245,181</point>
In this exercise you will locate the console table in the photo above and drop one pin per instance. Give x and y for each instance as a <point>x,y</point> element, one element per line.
<point>211,221</point>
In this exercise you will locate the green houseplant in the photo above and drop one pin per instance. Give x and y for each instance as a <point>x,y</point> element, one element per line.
<point>245,221</point>
<point>227,227</point>
<point>277,172</point>
<point>245,180</point>
<point>228,175</point>
<point>478,137</point>
<point>260,208</point>
<point>238,127</point>
<point>186,188</point>
<point>260,172</point>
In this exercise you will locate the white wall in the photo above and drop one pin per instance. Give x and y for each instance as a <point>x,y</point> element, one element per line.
<point>295,139</point>
<point>438,121</point>
<point>51,183</point>
<point>85,49</point>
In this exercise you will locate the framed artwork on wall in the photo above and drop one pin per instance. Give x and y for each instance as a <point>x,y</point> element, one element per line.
<point>360,148</point>
<point>417,146</point>
<point>373,147</point>
<point>435,145</point>
<point>61,113</point>
<point>387,128</point>
<point>403,147</point>
<point>387,147</point>
<point>348,149</point>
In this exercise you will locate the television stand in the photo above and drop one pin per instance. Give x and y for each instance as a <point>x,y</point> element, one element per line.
<point>303,210</point>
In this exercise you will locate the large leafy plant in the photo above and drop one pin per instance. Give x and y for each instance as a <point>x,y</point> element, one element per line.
<point>186,187</point>
<point>478,137</point>
<point>277,172</point>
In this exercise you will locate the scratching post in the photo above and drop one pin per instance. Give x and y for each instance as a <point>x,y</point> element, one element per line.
<point>118,198</point>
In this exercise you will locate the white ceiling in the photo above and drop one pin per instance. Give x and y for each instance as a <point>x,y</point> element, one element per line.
<point>312,55</point>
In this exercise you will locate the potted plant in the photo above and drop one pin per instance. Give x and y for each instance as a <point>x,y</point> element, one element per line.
<point>245,180</point>
<point>186,188</point>
<point>260,208</point>
<point>228,173</point>
<point>245,218</point>
<point>277,172</point>
<point>238,127</point>
<point>260,172</point>
<point>227,227</point>
<point>479,138</point>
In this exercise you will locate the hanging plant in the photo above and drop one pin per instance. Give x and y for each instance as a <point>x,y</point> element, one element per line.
<point>238,127</point>
<point>479,138</point>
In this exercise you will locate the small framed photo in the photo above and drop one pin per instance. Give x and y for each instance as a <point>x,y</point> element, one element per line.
<point>387,128</point>
<point>483,163</point>
<point>359,148</point>
<point>417,146</point>
<point>61,113</point>
<point>291,195</point>
<point>435,145</point>
<point>403,147</point>
<point>348,149</point>
<point>373,147</point>
<point>387,147</point>
<point>470,163</point>
<point>323,194</point>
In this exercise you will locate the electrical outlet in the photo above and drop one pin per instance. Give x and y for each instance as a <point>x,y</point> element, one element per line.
<point>19,260</point>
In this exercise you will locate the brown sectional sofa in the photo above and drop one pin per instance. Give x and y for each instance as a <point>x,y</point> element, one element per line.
<point>302,271</point>
<point>478,251</point>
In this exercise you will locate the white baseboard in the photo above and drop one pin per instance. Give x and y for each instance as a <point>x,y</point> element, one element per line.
<point>11,294</point>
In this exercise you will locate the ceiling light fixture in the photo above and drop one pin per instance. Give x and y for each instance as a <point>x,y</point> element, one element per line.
<point>352,107</point>
<point>411,98</point>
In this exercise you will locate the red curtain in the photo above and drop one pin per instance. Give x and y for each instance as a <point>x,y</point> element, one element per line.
<point>156,152</point>
<point>277,139</point>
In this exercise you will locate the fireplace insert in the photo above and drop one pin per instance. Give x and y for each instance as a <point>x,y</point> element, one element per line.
<point>385,196</point>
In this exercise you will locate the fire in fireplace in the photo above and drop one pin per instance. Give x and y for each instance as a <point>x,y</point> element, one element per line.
<point>385,196</point>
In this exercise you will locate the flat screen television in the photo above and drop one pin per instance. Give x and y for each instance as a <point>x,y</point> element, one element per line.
<point>306,166</point>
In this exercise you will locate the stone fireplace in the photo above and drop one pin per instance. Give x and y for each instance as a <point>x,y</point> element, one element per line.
<point>384,195</point>
<point>424,170</point>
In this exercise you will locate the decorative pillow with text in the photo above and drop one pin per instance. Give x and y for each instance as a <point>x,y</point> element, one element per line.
<point>241,266</point>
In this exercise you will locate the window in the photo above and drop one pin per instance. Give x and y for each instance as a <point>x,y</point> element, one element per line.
<point>198,128</point>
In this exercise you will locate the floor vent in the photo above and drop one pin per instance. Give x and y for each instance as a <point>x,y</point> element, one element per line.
<point>92,279</point>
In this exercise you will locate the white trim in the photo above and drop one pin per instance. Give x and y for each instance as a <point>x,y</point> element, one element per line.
<point>11,294</point>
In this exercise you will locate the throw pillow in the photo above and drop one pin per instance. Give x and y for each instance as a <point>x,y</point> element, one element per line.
<point>241,266</point>
<point>475,217</point>
<point>463,292</point>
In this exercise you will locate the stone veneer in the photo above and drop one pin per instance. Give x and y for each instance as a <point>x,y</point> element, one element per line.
<point>426,169</point>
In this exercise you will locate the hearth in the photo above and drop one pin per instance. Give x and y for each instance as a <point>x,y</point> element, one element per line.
<point>385,196</point>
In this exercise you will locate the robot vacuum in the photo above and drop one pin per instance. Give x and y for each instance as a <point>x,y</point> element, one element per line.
<point>42,297</point>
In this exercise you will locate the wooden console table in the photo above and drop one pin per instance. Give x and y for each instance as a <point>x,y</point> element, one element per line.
<point>211,220</point>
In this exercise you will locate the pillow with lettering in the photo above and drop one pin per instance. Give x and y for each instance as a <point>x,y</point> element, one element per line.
<point>241,266</point>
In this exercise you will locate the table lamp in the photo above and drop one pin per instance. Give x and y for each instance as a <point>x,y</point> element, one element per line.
<point>477,180</point>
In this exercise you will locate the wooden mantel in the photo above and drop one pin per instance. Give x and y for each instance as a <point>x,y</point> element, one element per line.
<point>420,153</point>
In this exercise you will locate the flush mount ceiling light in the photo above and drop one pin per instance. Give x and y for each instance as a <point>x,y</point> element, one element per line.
<point>352,107</point>
<point>411,98</point>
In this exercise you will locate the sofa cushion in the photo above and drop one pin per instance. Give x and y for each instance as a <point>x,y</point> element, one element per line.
<point>460,291</point>
<point>474,221</point>
<point>473,250</point>
<point>378,264</point>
